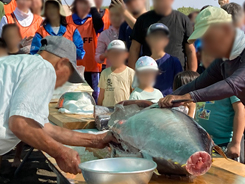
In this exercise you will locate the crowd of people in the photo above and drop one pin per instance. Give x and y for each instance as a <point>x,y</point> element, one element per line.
<point>128,53</point>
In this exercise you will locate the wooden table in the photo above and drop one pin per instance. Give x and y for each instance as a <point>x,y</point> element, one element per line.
<point>222,172</point>
<point>70,121</point>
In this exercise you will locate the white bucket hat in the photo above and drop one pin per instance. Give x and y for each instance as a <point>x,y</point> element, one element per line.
<point>144,63</point>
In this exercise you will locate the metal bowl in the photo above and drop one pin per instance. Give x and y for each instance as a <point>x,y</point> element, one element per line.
<point>118,171</point>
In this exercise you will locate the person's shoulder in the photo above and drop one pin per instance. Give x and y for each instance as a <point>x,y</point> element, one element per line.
<point>180,15</point>
<point>234,99</point>
<point>158,92</point>
<point>147,15</point>
<point>106,72</point>
<point>130,70</point>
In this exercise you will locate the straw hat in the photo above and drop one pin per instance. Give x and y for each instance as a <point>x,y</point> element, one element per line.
<point>62,11</point>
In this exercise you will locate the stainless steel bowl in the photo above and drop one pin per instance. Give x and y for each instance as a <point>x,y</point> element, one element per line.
<point>118,171</point>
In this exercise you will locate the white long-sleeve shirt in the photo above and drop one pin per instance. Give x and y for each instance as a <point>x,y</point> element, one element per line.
<point>24,19</point>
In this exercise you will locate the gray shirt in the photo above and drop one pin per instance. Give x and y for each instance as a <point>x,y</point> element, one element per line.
<point>139,94</point>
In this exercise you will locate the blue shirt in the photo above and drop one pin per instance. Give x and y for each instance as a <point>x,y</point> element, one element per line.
<point>217,117</point>
<point>77,40</point>
<point>169,66</point>
<point>125,34</point>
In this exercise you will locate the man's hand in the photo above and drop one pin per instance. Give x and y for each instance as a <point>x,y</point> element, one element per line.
<point>167,101</point>
<point>223,2</point>
<point>68,161</point>
<point>119,5</point>
<point>102,140</point>
<point>233,150</point>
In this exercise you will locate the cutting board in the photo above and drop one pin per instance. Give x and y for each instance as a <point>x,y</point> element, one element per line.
<point>70,121</point>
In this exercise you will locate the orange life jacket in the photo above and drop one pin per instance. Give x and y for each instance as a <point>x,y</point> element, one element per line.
<point>10,7</point>
<point>106,19</point>
<point>89,44</point>
<point>29,30</point>
<point>70,29</point>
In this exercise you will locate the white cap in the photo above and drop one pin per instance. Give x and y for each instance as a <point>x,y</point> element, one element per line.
<point>142,64</point>
<point>117,45</point>
<point>146,63</point>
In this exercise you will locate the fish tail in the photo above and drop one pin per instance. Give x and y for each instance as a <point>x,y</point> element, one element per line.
<point>220,151</point>
<point>156,172</point>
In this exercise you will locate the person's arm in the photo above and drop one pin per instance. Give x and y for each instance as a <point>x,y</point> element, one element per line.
<point>100,55</point>
<point>78,41</point>
<point>97,20</point>
<point>101,96</point>
<point>192,109</point>
<point>233,149</point>
<point>210,76</point>
<point>134,53</point>
<point>31,133</point>
<point>191,57</point>
<point>36,44</point>
<point>121,7</point>
<point>2,23</point>
<point>71,138</point>
<point>138,37</point>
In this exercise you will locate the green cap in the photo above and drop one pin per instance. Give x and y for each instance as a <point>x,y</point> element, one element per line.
<point>207,17</point>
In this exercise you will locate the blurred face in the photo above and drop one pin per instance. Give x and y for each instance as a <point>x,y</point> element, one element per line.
<point>206,59</point>
<point>12,37</point>
<point>63,71</point>
<point>218,40</point>
<point>161,5</point>
<point>116,18</point>
<point>135,6</point>
<point>24,5</point>
<point>52,11</point>
<point>117,57</point>
<point>36,5</point>
<point>3,52</point>
<point>157,41</point>
<point>147,78</point>
<point>83,8</point>
<point>98,3</point>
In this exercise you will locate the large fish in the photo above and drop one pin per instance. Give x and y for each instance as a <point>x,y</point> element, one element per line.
<point>172,139</point>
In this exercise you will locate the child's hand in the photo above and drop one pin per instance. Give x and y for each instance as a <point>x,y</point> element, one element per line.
<point>223,2</point>
<point>103,56</point>
<point>119,5</point>
<point>233,150</point>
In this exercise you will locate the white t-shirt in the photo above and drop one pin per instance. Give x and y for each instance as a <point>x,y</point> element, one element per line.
<point>27,83</point>
<point>56,29</point>
<point>139,94</point>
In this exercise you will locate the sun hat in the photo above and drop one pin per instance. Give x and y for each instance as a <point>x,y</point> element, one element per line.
<point>206,18</point>
<point>158,27</point>
<point>117,45</point>
<point>64,48</point>
<point>62,11</point>
<point>144,63</point>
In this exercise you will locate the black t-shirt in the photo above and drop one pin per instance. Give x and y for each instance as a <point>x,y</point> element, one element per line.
<point>180,30</point>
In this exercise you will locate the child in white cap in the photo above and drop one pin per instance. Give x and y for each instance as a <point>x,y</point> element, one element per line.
<point>116,81</point>
<point>144,80</point>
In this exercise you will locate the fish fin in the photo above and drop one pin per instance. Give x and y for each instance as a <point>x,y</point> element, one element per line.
<point>146,155</point>
<point>156,172</point>
<point>220,151</point>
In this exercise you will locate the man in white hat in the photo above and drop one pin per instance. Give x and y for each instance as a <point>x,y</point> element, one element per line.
<point>226,76</point>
